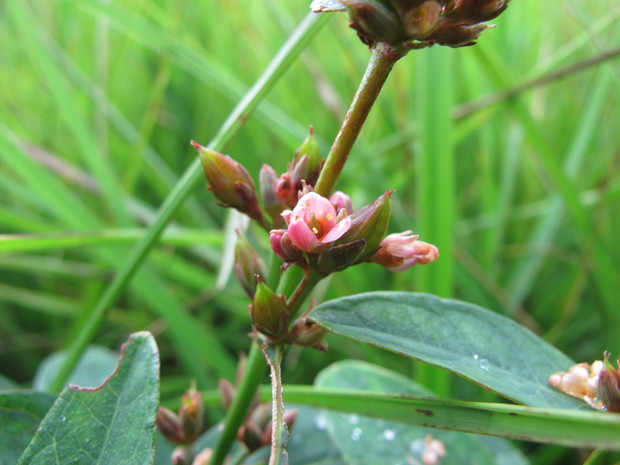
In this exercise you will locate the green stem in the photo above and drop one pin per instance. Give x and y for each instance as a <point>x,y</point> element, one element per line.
<point>382,59</point>
<point>252,376</point>
<point>278,428</point>
<point>181,191</point>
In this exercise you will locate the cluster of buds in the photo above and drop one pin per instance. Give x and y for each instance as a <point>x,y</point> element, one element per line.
<point>455,23</point>
<point>325,235</point>
<point>597,384</point>
<point>321,235</point>
<point>185,426</point>
<point>255,432</point>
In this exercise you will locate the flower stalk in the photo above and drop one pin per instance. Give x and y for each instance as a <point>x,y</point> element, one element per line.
<point>382,60</point>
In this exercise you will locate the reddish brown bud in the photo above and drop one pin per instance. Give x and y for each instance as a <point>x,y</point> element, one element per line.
<point>248,264</point>
<point>191,414</point>
<point>169,425</point>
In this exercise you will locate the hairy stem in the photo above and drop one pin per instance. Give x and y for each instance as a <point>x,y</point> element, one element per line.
<point>382,59</point>
<point>279,434</point>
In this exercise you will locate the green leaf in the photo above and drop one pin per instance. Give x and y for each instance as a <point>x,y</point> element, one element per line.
<point>478,344</point>
<point>111,424</point>
<point>20,414</point>
<point>366,440</point>
<point>94,367</point>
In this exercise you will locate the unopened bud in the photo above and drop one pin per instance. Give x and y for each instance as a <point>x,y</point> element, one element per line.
<point>475,11</point>
<point>401,251</point>
<point>374,22</point>
<point>283,247</point>
<point>421,21</point>
<point>271,203</point>
<point>229,181</point>
<point>608,387</point>
<point>459,35</point>
<point>169,425</point>
<point>248,264</point>
<point>311,151</point>
<point>341,200</point>
<point>203,457</point>
<point>191,414</point>
<point>309,334</point>
<point>269,312</point>
<point>227,393</point>
<point>369,223</point>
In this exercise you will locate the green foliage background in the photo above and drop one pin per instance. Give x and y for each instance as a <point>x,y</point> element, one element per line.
<point>101,97</point>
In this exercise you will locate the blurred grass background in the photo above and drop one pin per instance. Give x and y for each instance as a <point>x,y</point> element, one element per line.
<point>516,180</point>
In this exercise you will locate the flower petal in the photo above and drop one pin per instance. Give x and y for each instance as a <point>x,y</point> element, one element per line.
<point>302,236</point>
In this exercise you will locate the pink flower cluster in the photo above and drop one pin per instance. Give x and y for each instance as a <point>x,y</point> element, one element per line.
<point>316,223</point>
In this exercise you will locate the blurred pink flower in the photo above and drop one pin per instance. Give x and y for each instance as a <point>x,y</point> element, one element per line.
<point>400,251</point>
<point>314,224</point>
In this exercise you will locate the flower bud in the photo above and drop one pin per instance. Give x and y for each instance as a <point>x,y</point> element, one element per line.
<point>169,425</point>
<point>374,22</point>
<point>283,247</point>
<point>269,312</point>
<point>459,35</point>
<point>369,223</point>
<point>421,21</point>
<point>309,334</point>
<point>248,265</point>
<point>475,11</point>
<point>203,457</point>
<point>401,251</point>
<point>191,414</point>
<point>341,200</point>
<point>268,179</point>
<point>229,181</point>
<point>608,387</point>
<point>311,151</point>
<point>227,392</point>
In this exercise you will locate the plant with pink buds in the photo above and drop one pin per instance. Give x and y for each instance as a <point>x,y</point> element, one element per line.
<point>400,251</point>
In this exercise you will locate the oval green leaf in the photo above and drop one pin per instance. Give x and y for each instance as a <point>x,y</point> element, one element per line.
<point>112,424</point>
<point>478,344</point>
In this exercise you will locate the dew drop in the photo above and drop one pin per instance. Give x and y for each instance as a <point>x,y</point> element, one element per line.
<point>484,364</point>
<point>416,447</point>
<point>63,419</point>
<point>321,422</point>
<point>354,419</point>
<point>357,434</point>
<point>389,435</point>
<point>476,356</point>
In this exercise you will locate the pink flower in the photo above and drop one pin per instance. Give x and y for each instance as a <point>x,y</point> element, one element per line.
<point>341,200</point>
<point>400,251</point>
<point>313,224</point>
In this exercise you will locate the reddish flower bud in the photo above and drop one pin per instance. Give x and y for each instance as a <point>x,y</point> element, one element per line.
<point>421,21</point>
<point>608,387</point>
<point>309,334</point>
<point>401,251</point>
<point>341,200</point>
<point>269,312</point>
<point>229,181</point>
<point>271,202</point>
<point>169,425</point>
<point>374,22</point>
<point>191,414</point>
<point>248,264</point>
<point>284,248</point>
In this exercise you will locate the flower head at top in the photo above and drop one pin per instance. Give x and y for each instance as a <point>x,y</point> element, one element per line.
<point>314,224</point>
<point>401,251</point>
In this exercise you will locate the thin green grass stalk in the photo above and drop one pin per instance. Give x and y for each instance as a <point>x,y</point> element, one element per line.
<point>595,255</point>
<point>434,183</point>
<point>61,93</point>
<point>307,29</point>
